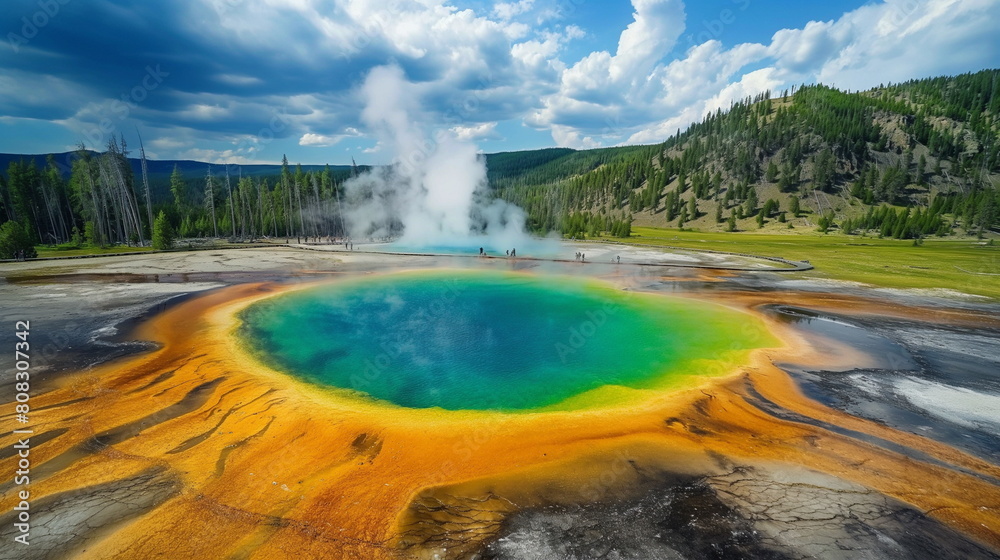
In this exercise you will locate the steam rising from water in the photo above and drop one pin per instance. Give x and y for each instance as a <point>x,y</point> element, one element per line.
<point>434,193</point>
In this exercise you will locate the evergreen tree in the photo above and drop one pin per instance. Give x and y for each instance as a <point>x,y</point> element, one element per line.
<point>825,222</point>
<point>14,239</point>
<point>988,212</point>
<point>682,183</point>
<point>824,169</point>
<point>163,232</point>
<point>750,206</point>
<point>771,175</point>
<point>891,185</point>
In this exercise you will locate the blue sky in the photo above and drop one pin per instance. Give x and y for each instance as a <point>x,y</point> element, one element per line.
<point>245,81</point>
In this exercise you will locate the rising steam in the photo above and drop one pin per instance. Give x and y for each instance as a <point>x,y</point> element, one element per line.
<point>434,193</point>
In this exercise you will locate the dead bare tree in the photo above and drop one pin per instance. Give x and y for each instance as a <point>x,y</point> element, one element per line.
<point>145,183</point>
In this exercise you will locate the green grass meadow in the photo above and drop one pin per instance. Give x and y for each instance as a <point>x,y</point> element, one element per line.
<point>965,265</point>
<point>58,251</point>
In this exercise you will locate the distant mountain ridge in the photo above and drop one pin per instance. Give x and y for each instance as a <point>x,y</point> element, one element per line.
<point>160,168</point>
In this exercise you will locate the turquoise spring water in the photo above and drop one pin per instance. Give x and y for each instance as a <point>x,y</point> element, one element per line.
<point>472,340</point>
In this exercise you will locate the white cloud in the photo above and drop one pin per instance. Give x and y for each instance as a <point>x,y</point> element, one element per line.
<point>569,138</point>
<point>167,143</point>
<point>45,91</point>
<point>574,32</point>
<point>231,156</point>
<point>288,69</point>
<point>637,93</point>
<point>595,92</point>
<point>749,85</point>
<point>204,112</point>
<point>634,93</point>
<point>656,26</point>
<point>508,10</point>
<point>319,140</point>
<point>475,132</point>
<point>538,58</point>
<point>802,50</point>
<point>902,40</point>
<point>326,140</point>
<point>238,79</point>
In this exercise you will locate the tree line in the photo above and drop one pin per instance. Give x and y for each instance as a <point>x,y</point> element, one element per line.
<point>103,203</point>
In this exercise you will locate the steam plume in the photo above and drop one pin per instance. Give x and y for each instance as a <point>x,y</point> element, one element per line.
<point>435,192</point>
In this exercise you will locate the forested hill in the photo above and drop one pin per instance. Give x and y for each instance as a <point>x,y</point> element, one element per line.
<point>906,160</point>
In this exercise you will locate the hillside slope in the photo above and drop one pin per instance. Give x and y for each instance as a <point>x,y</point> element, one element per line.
<point>903,160</point>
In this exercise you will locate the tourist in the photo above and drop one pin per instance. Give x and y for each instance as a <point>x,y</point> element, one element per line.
<point>619,259</point>
<point>508,252</point>
<point>513,252</point>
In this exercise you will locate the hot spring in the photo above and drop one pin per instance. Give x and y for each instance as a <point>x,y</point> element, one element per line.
<point>463,340</point>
